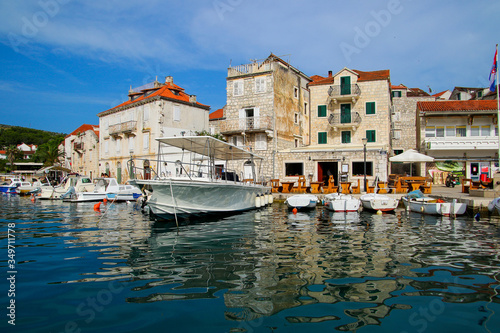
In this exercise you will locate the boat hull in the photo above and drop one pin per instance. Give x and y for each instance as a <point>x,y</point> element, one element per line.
<point>302,201</point>
<point>431,206</point>
<point>342,203</point>
<point>172,198</point>
<point>378,202</point>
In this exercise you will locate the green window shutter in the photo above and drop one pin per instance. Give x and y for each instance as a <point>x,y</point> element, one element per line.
<point>370,107</point>
<point>345,113</point>
<point>322,138</point>
<point>321,110</point>
<point>345,85</point>
<point>346,136</point>
<point>370,135</point>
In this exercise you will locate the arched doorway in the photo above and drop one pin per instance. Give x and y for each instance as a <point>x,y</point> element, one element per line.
<point>147,170</point>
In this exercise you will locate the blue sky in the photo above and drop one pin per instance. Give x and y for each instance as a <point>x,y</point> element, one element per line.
<point>64,61</point>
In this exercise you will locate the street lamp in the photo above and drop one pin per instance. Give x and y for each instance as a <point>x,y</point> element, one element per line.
<point>365,140</point>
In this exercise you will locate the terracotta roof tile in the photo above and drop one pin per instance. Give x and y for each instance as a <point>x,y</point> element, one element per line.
<point>217,114</point>
<point>362,76</point>
<point>470,105</point>
<point>84,128</point>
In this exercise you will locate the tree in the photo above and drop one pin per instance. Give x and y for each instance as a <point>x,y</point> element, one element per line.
<point>13,153</point>
<point>49,153</point>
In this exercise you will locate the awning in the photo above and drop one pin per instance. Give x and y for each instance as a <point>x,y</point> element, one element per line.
<point>52,168</point>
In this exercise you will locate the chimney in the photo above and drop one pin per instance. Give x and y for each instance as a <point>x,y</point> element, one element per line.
<point>192,98</point>
<point>169,79</point>
<point>329,73</point>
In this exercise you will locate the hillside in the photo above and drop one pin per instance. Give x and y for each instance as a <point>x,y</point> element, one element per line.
<point>14,135</point>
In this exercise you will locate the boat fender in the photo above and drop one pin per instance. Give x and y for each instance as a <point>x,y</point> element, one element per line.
<point>440,201</point>
<point>294,210</point>
<point>97,207</point>
<point>257,201</point>
<point>422,208</point>
<point>271,198</point>
<point>379,212</point>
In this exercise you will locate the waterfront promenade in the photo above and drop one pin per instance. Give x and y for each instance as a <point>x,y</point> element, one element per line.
<point>474,203</point>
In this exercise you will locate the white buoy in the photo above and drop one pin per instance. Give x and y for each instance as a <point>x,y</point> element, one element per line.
<point>271,198</point>
<point>379,212</point>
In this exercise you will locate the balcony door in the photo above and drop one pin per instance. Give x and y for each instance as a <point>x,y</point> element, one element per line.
<point>345,85</point>
<point>345,113</point>
<point>249,118</point>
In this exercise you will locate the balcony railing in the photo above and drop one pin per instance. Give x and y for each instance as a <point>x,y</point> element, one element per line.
<point>124,127</point>
<point>461,143</point>
<point>247,124</point>
<point>340,121</point>
<point>256,67</point>
<point>340,93</point>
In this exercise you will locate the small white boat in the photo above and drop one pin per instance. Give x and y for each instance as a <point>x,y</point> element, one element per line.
<point>106,188</point>
<point>431,206</point>
<point>342,202</point>
<point>379,202</point>
<point>71,183</point>
<point>302,201</point>
<point>27,187</point>
<point>10,186</point>
<point>494,205</point>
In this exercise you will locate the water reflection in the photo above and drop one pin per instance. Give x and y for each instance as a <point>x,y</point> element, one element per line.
<point>271,262</point>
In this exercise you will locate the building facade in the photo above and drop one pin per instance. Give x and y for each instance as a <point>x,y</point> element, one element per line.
<point>81,149</point>
<point>128,131</point>
<point>460,131</point>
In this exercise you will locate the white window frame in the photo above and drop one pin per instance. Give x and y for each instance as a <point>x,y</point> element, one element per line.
<point>238,88</point>
<point>260,141</point>
<point>260,85</point>
<point>176,113</point>
<point>145,141</point>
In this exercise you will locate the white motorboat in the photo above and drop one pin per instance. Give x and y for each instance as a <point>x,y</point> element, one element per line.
<point>198,185</point>
<point>28,188</point>
<point>342,202</point>
<point>70,184</point>
<point>378,202</point>
<point>431,206</point>
<point>10,186</point>
<point>494,205</point>
<point>106,188</point>
<point>302,201</point>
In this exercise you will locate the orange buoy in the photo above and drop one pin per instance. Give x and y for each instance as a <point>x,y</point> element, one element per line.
<point>105,200</point>
<point>32,198</point>
<point>294,210</point>
<point>97,207</point>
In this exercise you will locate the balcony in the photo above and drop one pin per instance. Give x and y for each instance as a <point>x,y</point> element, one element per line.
<point>253,68</point>
<point>123,128</point>
<point>461,143</point>
<point>247,124</point>
<point>78,147</point>
<point>344,93</point>
<point>344,121</point>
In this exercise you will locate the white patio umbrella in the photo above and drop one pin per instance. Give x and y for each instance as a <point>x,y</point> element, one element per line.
<point>411,156</point>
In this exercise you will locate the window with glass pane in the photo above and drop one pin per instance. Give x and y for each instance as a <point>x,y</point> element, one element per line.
<point>450,130</point>
<point>346,136</point>
<point>439,132</point>
<point>321,110</point>
<point>345,85</point>
<point>370,135</point>
<point>370,107</point>
<point>474,131</point>
<point>461,131</point>
<point>345,113</point>
<point>485,131</point>
<point>430,132</point>
<point>321,137</point>
<point>396,94</point>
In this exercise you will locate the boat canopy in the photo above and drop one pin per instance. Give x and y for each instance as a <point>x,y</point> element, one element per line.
<point>209,146</point>
<point>52,168</point>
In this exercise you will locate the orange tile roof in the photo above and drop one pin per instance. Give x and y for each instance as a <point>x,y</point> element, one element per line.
<point>362,76</point>
<point>84,128</point>
<point>166,91</point>
<point>400,86</point>
<point>217,114</point>
<point>440,93</point>
<point>470,105</point>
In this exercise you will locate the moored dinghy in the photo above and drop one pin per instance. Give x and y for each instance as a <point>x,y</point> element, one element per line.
<point>302,201</point>
<point>494,205</point>
<point>342,202</point>
<point>379,202</point>
<point>431,206</point>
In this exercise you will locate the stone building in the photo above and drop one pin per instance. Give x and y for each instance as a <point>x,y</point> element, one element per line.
<point>348,107</point>
<point>81,149</point>
<point>267,110</point>
<point>152,111</point>
<point>404,122</point>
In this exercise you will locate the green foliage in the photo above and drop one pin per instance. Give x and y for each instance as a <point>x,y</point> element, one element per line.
<point>205,133</point>
<point>49,153</point>
<point>15,135</point>
<point>13,154</point>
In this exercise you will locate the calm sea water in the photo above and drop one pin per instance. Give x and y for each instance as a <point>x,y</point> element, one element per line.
<point>268,270</point>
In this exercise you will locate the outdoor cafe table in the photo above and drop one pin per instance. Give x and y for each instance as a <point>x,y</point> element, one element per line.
<point>316,187</point>
<point>415,184</point>
<point>382,187</point>
<point>345,187</point>
<point>287,186</point>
